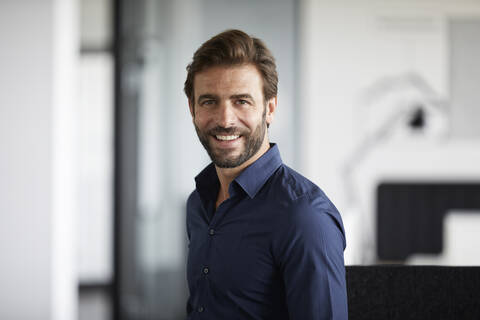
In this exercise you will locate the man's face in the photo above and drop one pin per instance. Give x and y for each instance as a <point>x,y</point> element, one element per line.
<point>229,113</point>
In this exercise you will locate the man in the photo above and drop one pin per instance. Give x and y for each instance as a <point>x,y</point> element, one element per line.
<point>264,242</point>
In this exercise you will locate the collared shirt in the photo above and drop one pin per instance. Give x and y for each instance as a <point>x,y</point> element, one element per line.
<point>272,250</point>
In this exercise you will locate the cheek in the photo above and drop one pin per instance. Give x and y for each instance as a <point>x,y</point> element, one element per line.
<point>253,121</point>
<point>203,123</point>
<point>200,119</point>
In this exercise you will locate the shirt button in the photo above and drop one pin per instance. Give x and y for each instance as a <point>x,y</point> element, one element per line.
<point>200,309</point>
<point>205,270</point>
<point>211,232</point>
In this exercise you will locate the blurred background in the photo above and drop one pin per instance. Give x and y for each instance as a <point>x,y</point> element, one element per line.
<point>379,104</point>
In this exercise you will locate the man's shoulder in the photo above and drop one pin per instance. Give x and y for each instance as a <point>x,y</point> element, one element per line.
<point>295,186</point>
<point>303,202</point>
<point>193,199</point>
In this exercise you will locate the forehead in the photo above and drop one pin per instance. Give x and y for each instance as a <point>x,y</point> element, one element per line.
<point>224,80</point>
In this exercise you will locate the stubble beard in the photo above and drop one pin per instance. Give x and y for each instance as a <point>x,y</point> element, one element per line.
<point>221,158</point>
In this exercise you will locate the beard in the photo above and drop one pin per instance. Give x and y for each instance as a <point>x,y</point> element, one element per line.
<point>221,157</point>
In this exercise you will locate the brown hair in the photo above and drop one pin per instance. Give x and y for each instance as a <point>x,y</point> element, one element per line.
<point>234,47</point>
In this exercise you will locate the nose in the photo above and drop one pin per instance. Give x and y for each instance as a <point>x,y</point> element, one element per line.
<point>226,116</point>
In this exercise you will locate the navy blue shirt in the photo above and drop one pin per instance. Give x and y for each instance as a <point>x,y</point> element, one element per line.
<point>272,250</point>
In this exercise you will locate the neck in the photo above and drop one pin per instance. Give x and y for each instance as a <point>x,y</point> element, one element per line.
<point>227,175</point>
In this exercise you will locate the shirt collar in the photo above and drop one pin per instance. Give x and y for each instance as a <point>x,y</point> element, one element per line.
<point>251,180</point>
<point>207,183</point>
<point>255,175</point>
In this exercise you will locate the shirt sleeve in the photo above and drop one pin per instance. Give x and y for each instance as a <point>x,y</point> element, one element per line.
<point>311,261</point>
<point>189,207</point>
<point>188,305</point>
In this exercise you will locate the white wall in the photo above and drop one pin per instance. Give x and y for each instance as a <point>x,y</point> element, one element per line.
<point>345,47</point>
<point>36,62</point>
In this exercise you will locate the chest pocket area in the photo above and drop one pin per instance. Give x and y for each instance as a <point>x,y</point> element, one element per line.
<point>246,263</point>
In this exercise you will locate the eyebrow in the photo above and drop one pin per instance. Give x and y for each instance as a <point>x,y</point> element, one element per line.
<point>207,96</point>
<point>241,96</point>
<point>235,96</point>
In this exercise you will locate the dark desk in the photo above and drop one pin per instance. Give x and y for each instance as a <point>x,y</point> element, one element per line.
<point>410,215</point>
<point>413,292</point>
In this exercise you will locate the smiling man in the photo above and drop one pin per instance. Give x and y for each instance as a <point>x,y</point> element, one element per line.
<point>264,241</point>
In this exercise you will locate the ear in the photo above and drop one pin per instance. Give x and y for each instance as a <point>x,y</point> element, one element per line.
<point>190,106</point>
<point>271,107</point>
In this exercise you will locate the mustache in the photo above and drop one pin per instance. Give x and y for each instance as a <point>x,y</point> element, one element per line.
<point>226,131</point>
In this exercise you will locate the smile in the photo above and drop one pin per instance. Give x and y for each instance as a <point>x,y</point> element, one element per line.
<point>227,138</point>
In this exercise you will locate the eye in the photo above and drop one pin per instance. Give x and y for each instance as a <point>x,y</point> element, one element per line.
<point>241,101</point>
<point>207,102</point>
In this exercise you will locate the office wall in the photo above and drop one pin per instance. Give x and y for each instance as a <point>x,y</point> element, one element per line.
<point>346,47</point>
<point>465,70</point>
<point>37,42</point>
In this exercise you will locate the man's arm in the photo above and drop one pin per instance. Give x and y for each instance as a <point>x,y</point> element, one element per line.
<point>189,205</point>
<point>312,263</point>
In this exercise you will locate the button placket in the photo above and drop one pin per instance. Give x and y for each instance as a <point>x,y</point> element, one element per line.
<point>210,233</point>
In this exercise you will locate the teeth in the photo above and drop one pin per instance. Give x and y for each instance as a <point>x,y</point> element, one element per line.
<point>226,138</point>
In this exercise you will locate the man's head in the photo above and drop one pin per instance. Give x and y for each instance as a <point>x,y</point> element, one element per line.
<point>231,88</point>
<point>230,48</point>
